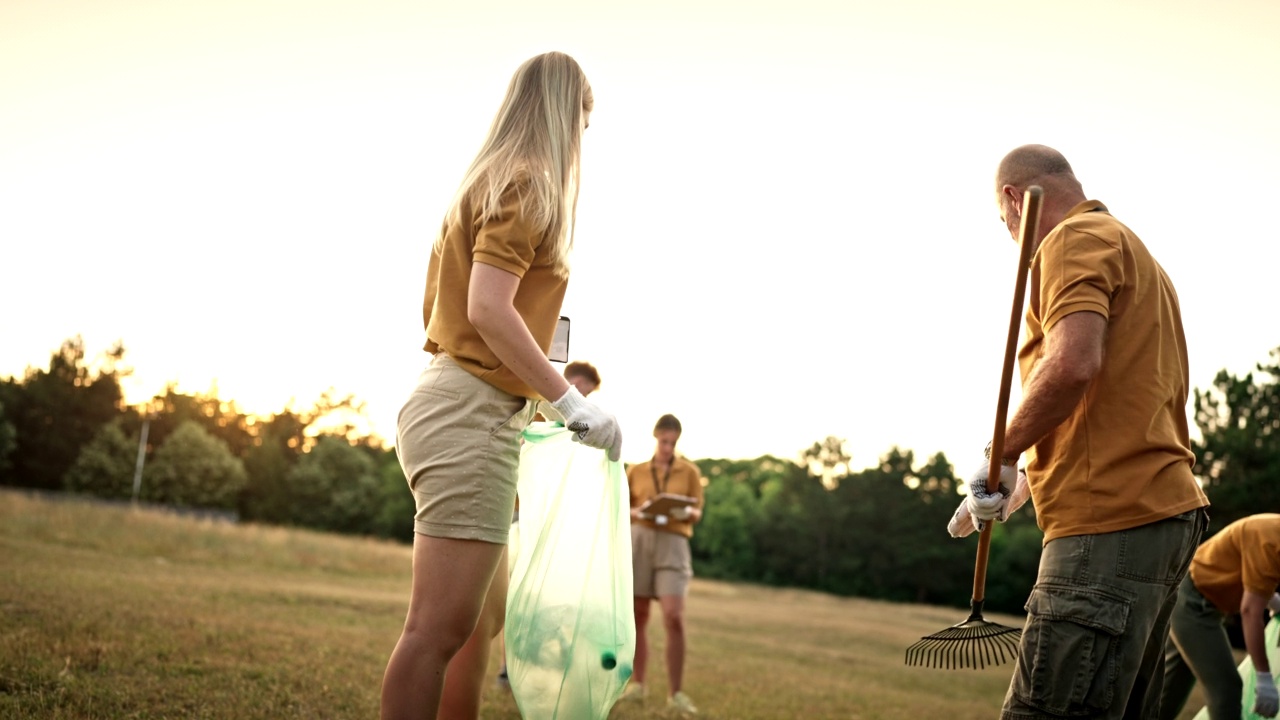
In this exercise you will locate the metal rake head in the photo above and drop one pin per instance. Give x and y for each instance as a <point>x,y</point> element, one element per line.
<point>973,643</point>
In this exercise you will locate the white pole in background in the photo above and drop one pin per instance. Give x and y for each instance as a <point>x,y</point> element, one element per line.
<point>142,457</point>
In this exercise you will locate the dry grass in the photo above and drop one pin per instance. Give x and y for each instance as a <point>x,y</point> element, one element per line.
<point>111,613</point>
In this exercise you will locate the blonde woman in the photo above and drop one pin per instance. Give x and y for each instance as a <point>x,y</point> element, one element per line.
<point>495,282</point>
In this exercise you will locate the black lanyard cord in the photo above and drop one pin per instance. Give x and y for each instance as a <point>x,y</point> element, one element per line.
<point>653,470</point>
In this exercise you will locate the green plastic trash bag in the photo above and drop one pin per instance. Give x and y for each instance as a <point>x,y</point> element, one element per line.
<point>1249,695</point>
<point>570,631</point>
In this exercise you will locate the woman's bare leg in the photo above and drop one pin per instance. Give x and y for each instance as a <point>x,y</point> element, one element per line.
<point>451,581</point>
<point>469,669</point>
<point>673,624</point>
<point>642,640</point>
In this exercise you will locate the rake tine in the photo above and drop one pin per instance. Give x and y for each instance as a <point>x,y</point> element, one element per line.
<point>973,643</point>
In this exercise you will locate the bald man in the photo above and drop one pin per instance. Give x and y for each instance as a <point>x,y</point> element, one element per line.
<point>1103,410</point>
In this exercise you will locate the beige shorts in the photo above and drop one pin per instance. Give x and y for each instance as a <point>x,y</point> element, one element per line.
<point>660,562</point>
<point>458,440</point>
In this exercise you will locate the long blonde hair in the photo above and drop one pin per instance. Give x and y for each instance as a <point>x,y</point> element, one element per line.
<point>536,136</point>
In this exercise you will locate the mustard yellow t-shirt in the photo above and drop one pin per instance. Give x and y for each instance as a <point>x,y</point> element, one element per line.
<point>1123,458</point>
<point>1245,555</point>
<point>646,482</point>
<point>507,242</point>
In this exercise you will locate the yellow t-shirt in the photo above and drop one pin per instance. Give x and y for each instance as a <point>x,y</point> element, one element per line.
<point>646,482</point>
<point>507,242</point>
<point>1245,555</point>
<point>1123,458</point>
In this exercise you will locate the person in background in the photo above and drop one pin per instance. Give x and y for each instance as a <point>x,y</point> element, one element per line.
<point>1236,570</point>
<point>661,559</point>
<point>1104,396</point>
<point>582,375</point>
<point>496,279</point>
<point>586,379</point>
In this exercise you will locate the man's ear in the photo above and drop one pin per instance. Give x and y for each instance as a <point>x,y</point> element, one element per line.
<point>1014,196</point>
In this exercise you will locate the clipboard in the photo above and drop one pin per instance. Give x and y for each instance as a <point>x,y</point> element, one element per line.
<point>664,503</point>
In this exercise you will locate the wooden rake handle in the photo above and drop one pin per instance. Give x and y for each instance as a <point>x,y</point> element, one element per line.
<point>1031,202</point>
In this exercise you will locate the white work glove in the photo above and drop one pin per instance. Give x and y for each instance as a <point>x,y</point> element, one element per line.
<point>1267,701</point>
<point>682,513</point>
<point>964,521</point>
<point>590,425</point>
<point>986,505</point>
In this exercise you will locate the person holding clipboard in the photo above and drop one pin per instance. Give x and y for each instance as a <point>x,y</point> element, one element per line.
<point>666,501</point>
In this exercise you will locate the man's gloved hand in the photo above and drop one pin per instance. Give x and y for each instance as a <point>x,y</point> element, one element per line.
<point>984,504</point>
<point>682,513</point>
<point>590,425</point>
<point>963,522</point>
<point>1274,604</point>
<point>1267,701</point>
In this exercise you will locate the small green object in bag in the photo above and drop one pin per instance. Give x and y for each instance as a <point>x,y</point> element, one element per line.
<point>570,631</point>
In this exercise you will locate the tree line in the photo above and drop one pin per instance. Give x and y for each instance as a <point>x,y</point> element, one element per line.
<point>812,522</point>
<point>66,428</point>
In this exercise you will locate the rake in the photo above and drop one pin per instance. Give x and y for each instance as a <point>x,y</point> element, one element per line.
<point>977,642</point>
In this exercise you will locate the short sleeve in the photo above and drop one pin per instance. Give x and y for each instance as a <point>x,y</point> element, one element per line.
<point>508,241</point>
<point>1079,272</point>
<point>697,484</point>
<point>636,500</point>
<point>1259,561</point>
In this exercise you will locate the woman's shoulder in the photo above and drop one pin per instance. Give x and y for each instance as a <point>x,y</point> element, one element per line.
<point>686,464</point>
<point>522,196</point>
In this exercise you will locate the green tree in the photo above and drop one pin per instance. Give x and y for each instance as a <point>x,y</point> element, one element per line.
<point>335,487</point>
<point>1014,560</point>
<point>105,466</point>
<point>192,468</point>
<point>878,532</point>
<point>277,444</point>
<point>724,542</point>
<point>54,412</point>
<point>1238,455</point>
<point>219,418</point>
<point>797,539</point>
<point>395,505</point>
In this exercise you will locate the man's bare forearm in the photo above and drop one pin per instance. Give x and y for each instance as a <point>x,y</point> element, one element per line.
<point>1051,397</point>
<point>1253,623</point>
<point>1073,355</point>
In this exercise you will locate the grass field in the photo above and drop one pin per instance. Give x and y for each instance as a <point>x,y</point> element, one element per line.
<point>107,612</point>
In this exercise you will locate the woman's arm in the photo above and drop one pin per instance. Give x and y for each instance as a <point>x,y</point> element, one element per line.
<point>491,310</point>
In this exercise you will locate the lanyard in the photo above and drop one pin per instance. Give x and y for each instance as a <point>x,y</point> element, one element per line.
<point>653,470</point>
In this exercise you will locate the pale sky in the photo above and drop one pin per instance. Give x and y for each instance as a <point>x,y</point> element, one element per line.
<point>787,226</point>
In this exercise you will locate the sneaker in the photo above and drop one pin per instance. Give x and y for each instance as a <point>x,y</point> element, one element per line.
<point>681,703</point>
<point>633,692</point>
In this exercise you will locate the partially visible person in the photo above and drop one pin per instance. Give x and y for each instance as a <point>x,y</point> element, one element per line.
<point>495,282</point>
<point>584,377</point>
<point>1235,571</point>
<point>661,559</point>
<point>1104,395</point>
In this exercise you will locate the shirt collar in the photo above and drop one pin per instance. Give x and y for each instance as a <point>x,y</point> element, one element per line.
<point>1085,207</point>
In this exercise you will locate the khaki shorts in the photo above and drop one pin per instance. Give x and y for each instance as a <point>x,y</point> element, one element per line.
<point>458,440</point>
<point>660,561</point>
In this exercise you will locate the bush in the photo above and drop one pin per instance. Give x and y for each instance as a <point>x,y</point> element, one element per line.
<point>105,466</point>
<point>194,469</point>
